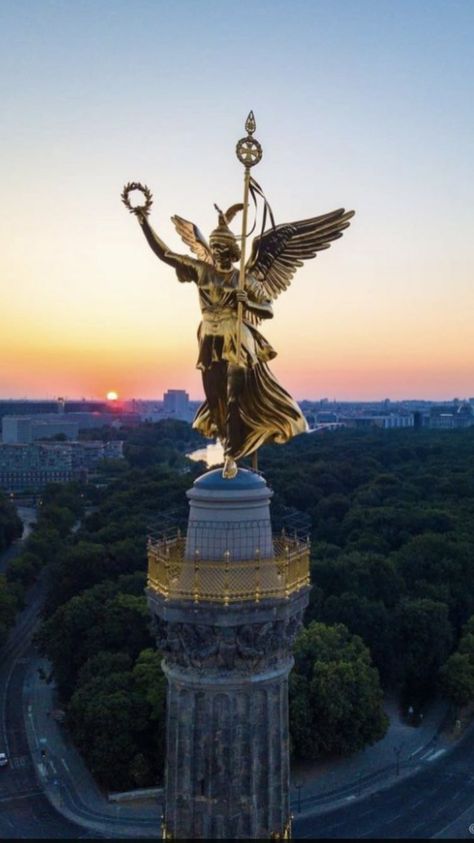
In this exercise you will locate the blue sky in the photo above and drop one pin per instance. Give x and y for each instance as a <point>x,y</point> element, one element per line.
<point>365,104</point>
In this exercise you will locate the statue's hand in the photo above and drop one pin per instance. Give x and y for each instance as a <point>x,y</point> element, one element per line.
<point>241,296</point>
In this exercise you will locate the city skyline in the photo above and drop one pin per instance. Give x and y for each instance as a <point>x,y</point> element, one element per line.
<point>379,399</point>
<point>354,108</point>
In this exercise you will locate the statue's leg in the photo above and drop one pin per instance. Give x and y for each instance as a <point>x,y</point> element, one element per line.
<point>214,380</point>
<point>234,427</point>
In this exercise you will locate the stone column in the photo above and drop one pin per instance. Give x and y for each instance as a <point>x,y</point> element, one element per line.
<point>227,658</point>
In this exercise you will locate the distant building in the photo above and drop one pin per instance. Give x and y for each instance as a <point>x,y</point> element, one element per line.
<point>30,466</point>
<point>325,417</point>
<point>465,415</point>
<point>24,429</point>
<point>451,417</point>
<point>176,405</point>
<point>388,422</point>
<point>86,455</point>
<point>24,407</point>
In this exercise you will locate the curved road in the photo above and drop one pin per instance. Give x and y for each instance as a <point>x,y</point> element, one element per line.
<point>24,810</point>
<point>421,806</point>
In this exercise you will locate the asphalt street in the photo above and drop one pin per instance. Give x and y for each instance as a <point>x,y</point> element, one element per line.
<point>421,806</point>
<point>24,810</point>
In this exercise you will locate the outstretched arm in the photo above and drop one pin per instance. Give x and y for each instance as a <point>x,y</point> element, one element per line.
<point>186,267</point>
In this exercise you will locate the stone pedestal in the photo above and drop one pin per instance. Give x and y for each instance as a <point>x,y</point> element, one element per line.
<point>227,656</point>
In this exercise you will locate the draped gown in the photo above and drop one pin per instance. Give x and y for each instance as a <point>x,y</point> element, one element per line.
<point>245,405</point>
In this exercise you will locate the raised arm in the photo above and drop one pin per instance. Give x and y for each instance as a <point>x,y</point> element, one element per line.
<point>185,266</point>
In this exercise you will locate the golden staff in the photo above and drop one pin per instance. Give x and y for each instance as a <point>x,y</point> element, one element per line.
<point>249,152</point>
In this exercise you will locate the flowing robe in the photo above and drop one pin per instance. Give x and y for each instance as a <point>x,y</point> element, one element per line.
<point>245,405</point>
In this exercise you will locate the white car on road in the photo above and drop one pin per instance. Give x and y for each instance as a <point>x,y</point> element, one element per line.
<point>3,759</point>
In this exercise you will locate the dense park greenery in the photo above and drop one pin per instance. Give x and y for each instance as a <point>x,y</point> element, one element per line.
<point>457,674</point>
<point>10,599</point>
<point>392,516</point>
<point>335,694</point>
<point>10,525</point>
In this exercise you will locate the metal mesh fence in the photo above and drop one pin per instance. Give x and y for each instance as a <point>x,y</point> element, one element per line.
<point>174,575</point>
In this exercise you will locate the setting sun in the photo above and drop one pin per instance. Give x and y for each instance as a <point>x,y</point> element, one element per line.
<point>112,396</point>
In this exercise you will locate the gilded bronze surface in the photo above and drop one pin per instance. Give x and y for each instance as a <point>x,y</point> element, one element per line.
<point>245,406</point>
<point>226,580</point>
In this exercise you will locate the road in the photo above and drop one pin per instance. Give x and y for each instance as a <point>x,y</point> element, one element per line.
<point>421,806</point>
<point>25,811</point>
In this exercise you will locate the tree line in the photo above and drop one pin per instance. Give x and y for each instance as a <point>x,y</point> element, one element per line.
<point>11,529</point>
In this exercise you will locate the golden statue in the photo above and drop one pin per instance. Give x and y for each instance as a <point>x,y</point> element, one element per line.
<point>245,406</point>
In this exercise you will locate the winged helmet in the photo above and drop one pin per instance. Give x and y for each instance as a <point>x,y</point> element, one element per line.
<point>278,252</point>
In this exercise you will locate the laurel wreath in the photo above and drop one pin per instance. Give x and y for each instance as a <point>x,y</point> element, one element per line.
<point>137,209</point>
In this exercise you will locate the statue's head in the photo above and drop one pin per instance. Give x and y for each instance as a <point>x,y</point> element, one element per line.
<point>223,244</point>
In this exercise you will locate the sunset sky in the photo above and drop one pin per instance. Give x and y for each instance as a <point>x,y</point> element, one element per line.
<point>366,104</point>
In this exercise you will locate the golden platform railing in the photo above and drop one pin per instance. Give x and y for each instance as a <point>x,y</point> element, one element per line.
<point>227,580</point>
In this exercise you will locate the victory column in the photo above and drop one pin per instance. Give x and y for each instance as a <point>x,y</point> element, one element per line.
<point>228,598</point>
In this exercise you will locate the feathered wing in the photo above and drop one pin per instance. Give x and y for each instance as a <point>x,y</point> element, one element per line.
<point>193,238</point>
<point>278,252</point>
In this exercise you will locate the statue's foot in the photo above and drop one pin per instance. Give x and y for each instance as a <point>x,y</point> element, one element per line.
<point>230,468</point>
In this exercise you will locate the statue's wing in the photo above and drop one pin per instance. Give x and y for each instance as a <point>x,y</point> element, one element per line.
<point>278,252</point>
<point>193,238</point>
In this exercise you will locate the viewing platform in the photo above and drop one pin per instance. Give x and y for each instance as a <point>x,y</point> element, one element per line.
<point>175,576</point>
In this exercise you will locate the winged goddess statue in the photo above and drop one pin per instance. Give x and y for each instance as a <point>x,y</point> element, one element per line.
<point>245,405</point>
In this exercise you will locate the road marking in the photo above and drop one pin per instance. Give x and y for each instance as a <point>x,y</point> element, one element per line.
<point>436,755</point>
<point>65,765</point>
<point>415,804</point>
<point>20,761</point>
<point>418,825</point>
<point>42,770</point>
<point>366,813</point>
<point>33,728</point>
<point>352,796</point>
<point>417,751</point>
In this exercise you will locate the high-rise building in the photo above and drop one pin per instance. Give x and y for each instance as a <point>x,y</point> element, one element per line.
<point>176,404</point>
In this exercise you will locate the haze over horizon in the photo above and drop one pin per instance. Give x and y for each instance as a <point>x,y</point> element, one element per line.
<point>365,104</point>
<point>200,397</point>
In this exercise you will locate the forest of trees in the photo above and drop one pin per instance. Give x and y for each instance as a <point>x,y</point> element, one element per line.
<point>392,597</point>
<point>11,529</point>
<point>392,518</point>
